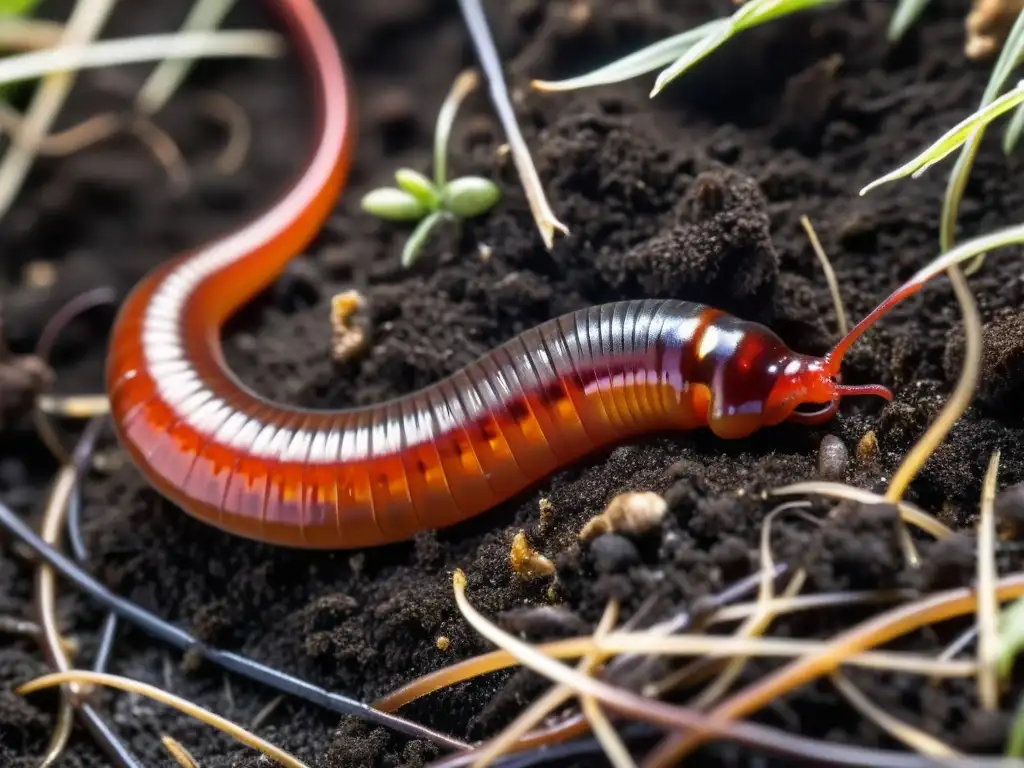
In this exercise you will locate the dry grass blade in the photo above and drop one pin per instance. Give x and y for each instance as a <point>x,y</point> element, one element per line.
<point>613,747</point>
<point>988,604</point>
<point>830,275</point>
<point>571,648</point>
<point>540,709</point>
<point>718,723</point>
<point>486,51</point>
<point>178,752</point>
<point>759,621</point>
<point>205,15</point>
<point>85,22</point>
<point>233,117</point>
<point>53,523</point>
<point>914,738</point>
<point>19,33</point>
<point>164,697</point>
<point>109,53</point>
<point>908,512</point>
<point>812,665</point>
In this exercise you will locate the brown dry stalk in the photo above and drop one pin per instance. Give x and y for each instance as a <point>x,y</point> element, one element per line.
<point>182,705</point>
<point>869,634</point>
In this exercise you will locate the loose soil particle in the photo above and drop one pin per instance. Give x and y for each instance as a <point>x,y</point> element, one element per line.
<point>695,195</point>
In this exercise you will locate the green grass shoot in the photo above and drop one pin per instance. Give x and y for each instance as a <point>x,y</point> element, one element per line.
<point>679,53</point>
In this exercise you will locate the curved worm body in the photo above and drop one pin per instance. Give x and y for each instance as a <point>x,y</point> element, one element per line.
<point>371,476</point>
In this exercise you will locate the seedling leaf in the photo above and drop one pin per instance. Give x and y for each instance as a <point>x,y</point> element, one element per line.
<point>470,196</point>
<point>394,205</point>
<point>419,186</point>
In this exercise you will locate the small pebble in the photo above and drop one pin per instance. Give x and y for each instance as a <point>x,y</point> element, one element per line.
<point>613,553</point>
<point>629,512</point>
<point>832,458</point>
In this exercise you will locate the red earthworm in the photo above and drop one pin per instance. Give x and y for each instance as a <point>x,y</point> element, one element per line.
<point>375,475</point>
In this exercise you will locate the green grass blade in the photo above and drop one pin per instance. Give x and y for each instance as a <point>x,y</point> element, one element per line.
<point>693,55</point>
<point>905,16</point>
<point>1011,235</point>
<point>751,14</point>
<point>1013,130</point>
<point>641,62</point>
<point>953,138</point>
<point>1009,58</point>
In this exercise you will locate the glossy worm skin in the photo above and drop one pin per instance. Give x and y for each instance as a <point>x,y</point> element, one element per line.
<point>377,475</point>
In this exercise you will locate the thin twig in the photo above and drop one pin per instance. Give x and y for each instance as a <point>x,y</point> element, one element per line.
<point>183,641</point>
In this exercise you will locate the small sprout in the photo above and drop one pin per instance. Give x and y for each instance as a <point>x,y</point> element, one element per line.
<point>443,643</point>
<point>431,202</point>
<point>630,512</point>
<point>348,325</point>
<point>527,563</point>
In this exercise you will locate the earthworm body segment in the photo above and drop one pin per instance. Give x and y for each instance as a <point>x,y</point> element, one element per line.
<point>369,476</point>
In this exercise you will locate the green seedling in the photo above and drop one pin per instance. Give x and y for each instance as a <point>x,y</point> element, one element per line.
<point>432,202</point>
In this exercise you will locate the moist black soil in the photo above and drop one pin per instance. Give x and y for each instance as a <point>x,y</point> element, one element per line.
<point>696,195</point>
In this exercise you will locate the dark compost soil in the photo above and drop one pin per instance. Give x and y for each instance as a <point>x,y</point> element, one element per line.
<point>696,195</point>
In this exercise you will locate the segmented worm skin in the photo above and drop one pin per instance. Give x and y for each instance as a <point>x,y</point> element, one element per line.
<point>370,476</point>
